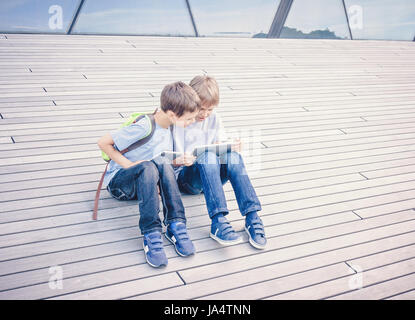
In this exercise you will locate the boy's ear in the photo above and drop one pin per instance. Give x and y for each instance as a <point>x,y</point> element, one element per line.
<point>172,116</point>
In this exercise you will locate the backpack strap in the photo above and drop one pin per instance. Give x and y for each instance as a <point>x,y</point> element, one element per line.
<point>145,139</point>
<point>95,214</point>
<point>135,145</point>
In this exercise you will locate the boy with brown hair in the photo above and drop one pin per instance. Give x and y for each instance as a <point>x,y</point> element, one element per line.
<point>140,174</point>
<point>208,172</point>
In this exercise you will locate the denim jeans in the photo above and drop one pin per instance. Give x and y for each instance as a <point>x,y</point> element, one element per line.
<point>210,172</point>
<point>140,182</point>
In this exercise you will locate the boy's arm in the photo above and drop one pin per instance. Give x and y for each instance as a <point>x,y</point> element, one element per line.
<point>106,144</point>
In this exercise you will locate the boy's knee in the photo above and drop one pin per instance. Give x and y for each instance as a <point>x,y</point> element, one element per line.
<point>163,167</point>
<point>234,163</point>
<point>233,158</point>
<point>149,170</point>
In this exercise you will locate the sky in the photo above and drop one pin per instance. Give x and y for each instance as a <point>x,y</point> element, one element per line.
<point>131,16</point>
<point>381,19</point>
<point>33,15</point>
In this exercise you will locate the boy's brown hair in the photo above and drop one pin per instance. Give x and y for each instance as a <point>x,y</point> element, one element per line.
<point>179,98</point>
<point>207,88</point>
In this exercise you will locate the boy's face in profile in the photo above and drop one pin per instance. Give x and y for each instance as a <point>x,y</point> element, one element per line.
<point>204,112</point>
<point>186,119</point>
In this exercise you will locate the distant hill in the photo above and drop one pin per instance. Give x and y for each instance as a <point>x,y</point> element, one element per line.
<point>292,33</point>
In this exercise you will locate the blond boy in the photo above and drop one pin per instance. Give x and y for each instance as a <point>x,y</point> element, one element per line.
<point>208,172</point>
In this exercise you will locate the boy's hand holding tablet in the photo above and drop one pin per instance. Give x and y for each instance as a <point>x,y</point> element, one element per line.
<point>187,159</point>
<point>184,159</point>
<point>218,148</point>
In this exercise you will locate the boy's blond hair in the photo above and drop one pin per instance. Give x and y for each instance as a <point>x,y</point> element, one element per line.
<point>179,98</point>
<point>207,88</point>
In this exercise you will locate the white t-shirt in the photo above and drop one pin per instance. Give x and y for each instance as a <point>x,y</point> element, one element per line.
<point>199,133</point>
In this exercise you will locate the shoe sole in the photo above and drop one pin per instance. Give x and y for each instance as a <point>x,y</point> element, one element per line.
<point>175,248</point>
<point>225,242</point>
<point>253,243</point>
<point>153,265</point>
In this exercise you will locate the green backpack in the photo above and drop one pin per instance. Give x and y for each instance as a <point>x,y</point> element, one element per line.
<point>132,119</point>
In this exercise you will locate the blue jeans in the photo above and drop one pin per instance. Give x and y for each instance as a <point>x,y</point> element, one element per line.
<point>140,182</point>
<point>210,172</point>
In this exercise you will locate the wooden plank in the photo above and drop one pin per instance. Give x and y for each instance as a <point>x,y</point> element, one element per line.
<point>79,99</point>
<point>129,77</point>
<point>6,140</point>
<point>136,271</point>
<point>266,185</point>
<point>226,110</point>
<point>370,278</point>
<point>381,128</point>
<point>269,287</point>
<point>267,136</point>
<point>402,110</point>
<point>396,133</point>
<point>90,143</point>
<point>397,201</point>
<point>10,238</point>
<point>37,194</point>
<point>283,269</point>
<point>45,158</point>
<point>94,175</point>
<point>122,92</point>
<point>101,258</point>
<point>171,252</point>
<point>87,205</point>
<point>275,82</point>
<point>409,295</point>
<point>83,141</point>
<point>373,174</point>
<point>131,287</point>
<point>231,103</point>
<point>395,183</point>
<point>154,283</point>
<point>386,207</point>
<point>71,208</point>
<point>43,168</point>
<point>382,259</point>
<point>251,261</point>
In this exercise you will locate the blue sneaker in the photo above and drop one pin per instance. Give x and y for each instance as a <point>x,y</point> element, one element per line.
<point>153,249</point>
<point>177,234</point>
<point>256,233</point>
<point>222,232</point>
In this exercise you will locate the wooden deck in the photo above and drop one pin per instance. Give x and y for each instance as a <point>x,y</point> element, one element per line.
<point>336,128</point>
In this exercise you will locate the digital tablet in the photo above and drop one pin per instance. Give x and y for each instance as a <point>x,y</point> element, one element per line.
<point>219,149</point>
<point>171,155</point>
